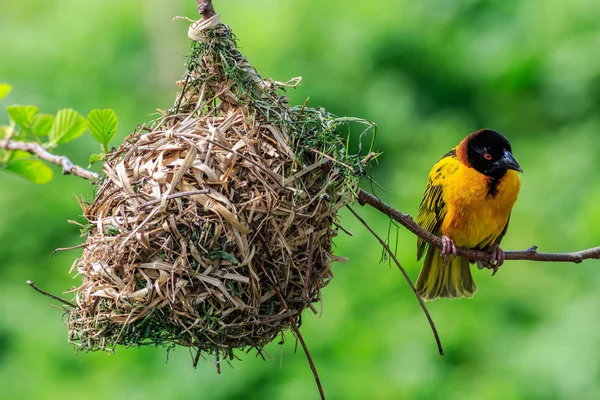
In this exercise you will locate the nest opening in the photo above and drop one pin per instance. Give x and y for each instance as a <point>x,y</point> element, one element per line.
<point>213,225</point>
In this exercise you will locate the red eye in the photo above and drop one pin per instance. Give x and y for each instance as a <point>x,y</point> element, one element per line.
<point>487,156</point>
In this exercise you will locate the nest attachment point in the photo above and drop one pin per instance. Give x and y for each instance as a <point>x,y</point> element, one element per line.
<point>213,225</point>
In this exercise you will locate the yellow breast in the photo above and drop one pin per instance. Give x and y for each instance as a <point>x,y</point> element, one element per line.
<point>474,217</point>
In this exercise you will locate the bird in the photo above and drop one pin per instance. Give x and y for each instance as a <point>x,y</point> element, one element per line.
<point>468,200</point>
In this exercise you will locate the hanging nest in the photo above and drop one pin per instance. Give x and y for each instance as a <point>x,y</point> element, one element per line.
<point>212,226</point>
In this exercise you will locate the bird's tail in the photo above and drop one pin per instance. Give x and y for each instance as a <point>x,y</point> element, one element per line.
<point>450,281</point>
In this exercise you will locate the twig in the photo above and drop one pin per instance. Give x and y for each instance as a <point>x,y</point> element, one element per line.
<point>68,168</point>
<point>529,254</point>
<point>196,358</point>
<point>217,360</point>
<point>292,321</point>
<point>79,246</point>
<point>341,228</point>
<point>412,286</point>
<point>187,79</point>
<point>296,332</point>
<point>65,302</point>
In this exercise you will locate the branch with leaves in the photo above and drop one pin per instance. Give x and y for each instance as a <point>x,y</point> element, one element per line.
<point>30,137</point>
<point>23,166</point>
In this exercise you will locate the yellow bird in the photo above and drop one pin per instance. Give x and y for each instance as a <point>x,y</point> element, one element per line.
<point>468,200</point>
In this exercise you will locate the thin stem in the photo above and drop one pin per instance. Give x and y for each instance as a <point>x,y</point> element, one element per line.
<point>196,358</point>
<point>296,332</point>
<point>187,79</point>
<point>65,302</point>
<point>217,360</point>
<point>412,286</point>
<point>79,246</point>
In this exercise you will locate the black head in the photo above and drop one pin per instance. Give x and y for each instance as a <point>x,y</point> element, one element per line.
<point>489,153</point>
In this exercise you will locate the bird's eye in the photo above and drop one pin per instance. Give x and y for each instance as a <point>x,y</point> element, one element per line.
<point>487,156</point>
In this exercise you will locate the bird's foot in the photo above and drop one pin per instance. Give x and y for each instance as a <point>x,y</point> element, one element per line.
<point>496,259</point>
<point>448,248</point>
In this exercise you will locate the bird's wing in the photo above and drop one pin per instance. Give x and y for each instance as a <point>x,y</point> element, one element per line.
<point>483,264</point>
<point>499,238</point>
<point>433,208</point>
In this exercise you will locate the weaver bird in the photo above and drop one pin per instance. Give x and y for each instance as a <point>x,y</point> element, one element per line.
<point>468,200</point>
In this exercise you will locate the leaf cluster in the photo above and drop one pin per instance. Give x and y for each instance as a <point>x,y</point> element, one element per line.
<point>28,124</point>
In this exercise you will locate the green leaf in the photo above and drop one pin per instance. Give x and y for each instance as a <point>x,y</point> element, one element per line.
<point>22,115</point>
<point>223,255</point>
<point>68,125</point>
<point>103,126</point>
<point>19,155</point>
<point>31,169</point>
<point>94,158</point>
<point>4,129</point>
<point>5,89</point>
<point>42,124</point>
<point>4,154</point>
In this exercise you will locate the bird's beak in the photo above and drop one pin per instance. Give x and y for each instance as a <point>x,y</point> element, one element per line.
<point>508,162</point>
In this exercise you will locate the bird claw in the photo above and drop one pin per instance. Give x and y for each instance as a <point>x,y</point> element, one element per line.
<point>448,248</point>
<point>496,259</point>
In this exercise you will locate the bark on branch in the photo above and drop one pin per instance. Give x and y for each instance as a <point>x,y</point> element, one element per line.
<point>529,254</point>
<point>68,168</point>
<point>205,8</point>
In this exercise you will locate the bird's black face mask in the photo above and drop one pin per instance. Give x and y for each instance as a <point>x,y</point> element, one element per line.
<point>490,153</point>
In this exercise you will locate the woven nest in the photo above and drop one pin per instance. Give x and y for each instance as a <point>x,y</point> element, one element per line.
<point>212,227</point>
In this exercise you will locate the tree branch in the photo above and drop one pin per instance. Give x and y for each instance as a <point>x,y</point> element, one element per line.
<point>68,168</point>
<point>529,254</point>
<point>205,8</point>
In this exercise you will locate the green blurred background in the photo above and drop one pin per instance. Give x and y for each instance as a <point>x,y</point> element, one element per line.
<point>427,72</point>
